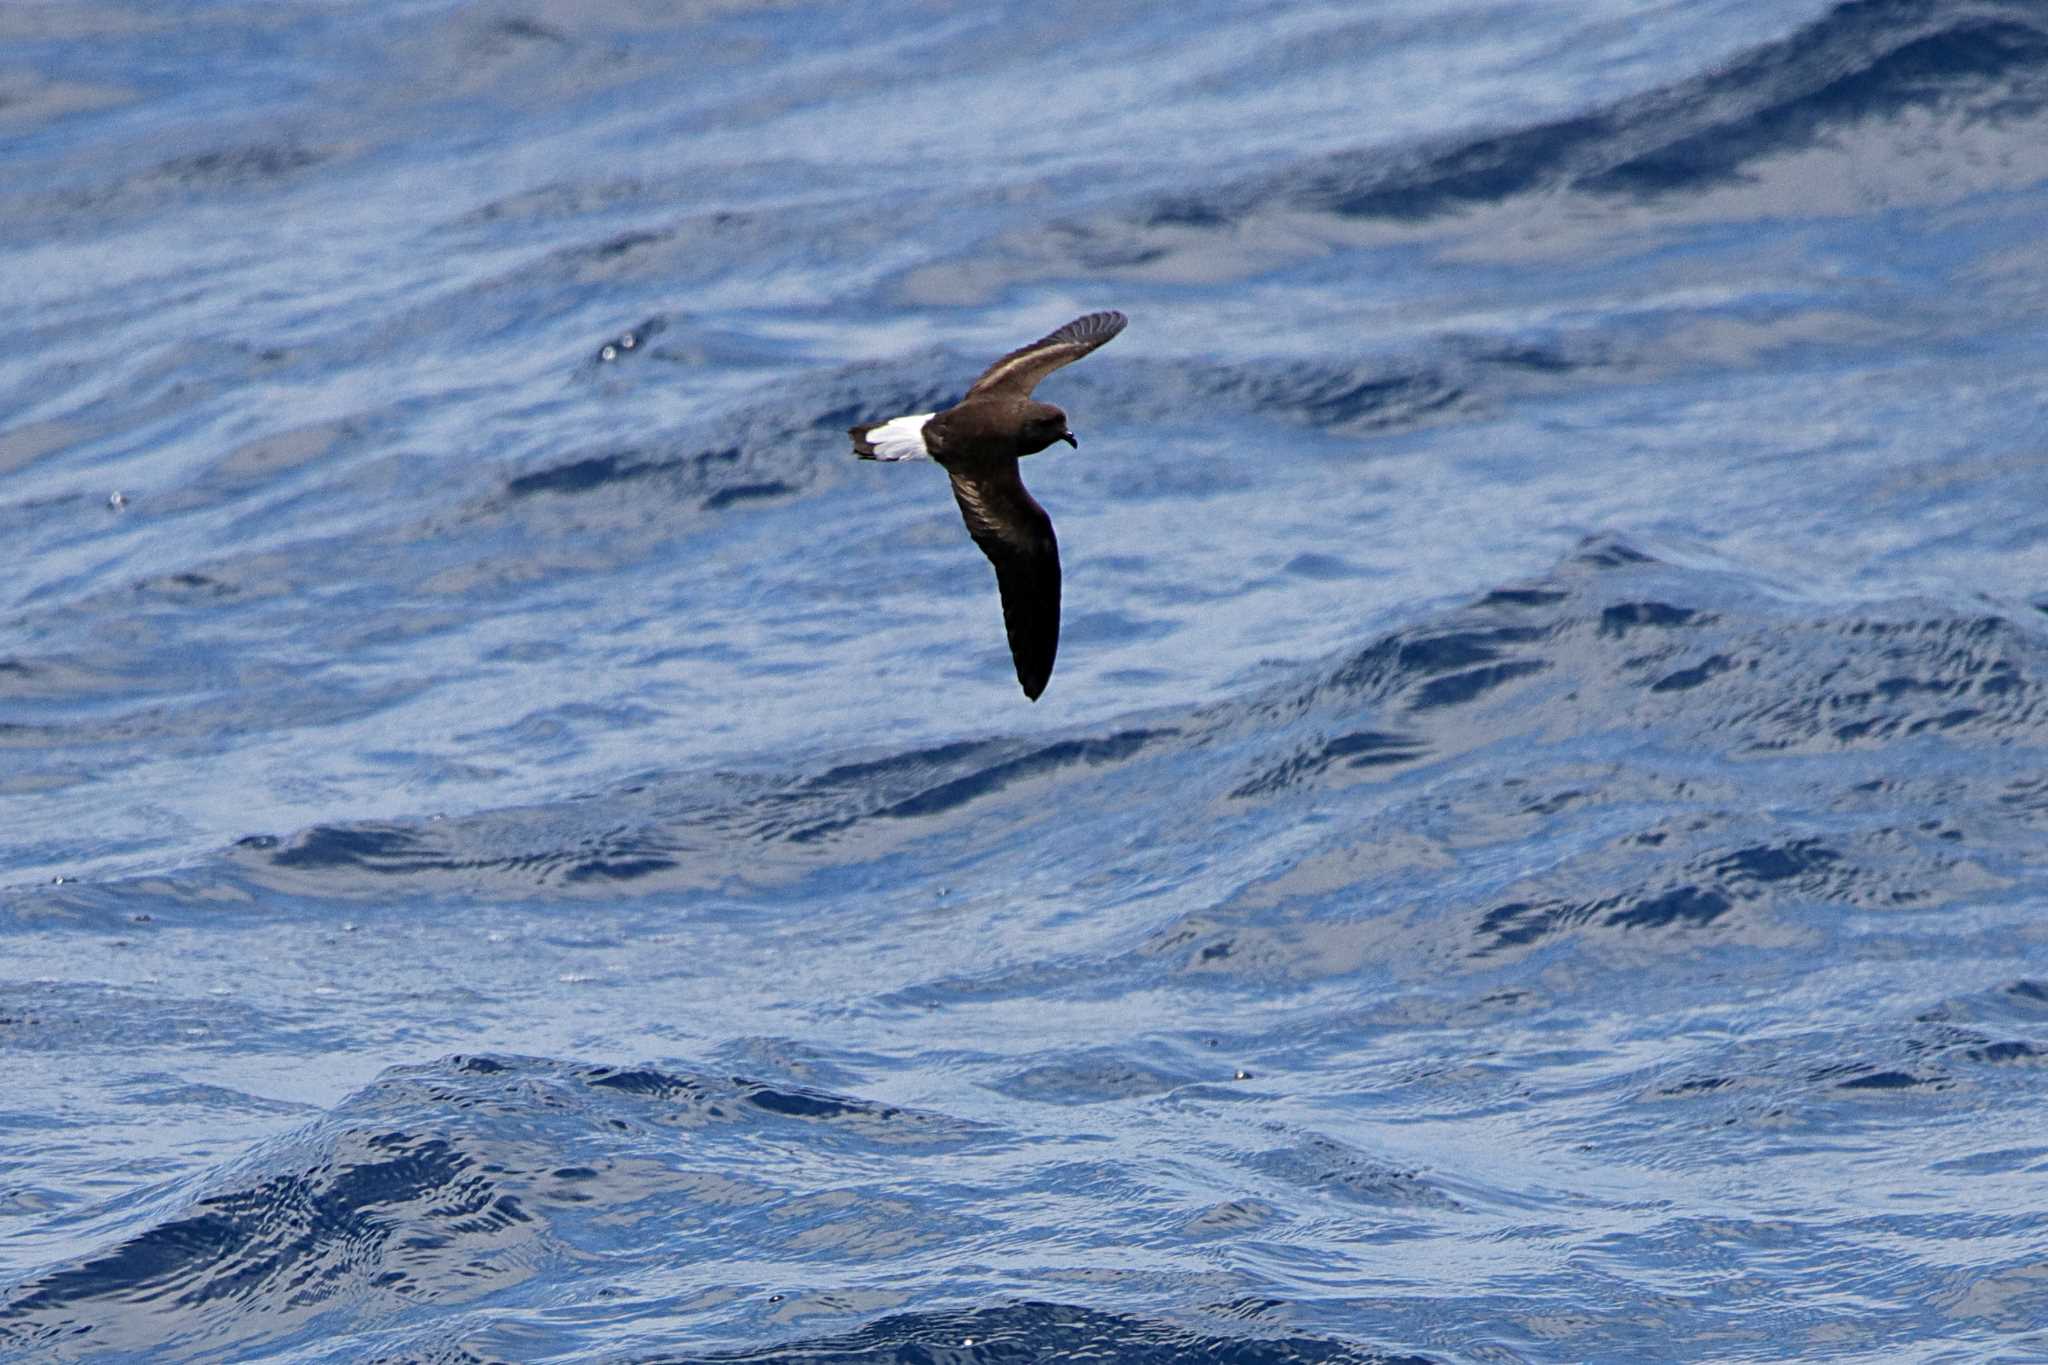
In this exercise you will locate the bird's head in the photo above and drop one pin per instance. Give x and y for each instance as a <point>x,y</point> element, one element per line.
<point>1043,425</point>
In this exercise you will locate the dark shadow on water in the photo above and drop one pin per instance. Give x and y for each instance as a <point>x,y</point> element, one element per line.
<point>1037,1331</point>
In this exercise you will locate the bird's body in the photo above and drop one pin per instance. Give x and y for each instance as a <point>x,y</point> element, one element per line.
<point>978,442</point>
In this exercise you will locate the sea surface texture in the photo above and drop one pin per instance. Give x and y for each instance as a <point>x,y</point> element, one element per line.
<point>515,847</point>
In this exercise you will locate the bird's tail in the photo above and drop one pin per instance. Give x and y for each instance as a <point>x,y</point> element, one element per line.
<point>899,438</point>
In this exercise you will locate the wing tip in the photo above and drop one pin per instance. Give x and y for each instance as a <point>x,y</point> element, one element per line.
<point>1034,669</point>
<point>1104,323</point>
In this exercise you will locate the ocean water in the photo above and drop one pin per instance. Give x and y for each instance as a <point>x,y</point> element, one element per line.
<point>515,847</point>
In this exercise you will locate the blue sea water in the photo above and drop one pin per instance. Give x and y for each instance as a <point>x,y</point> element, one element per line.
<point>515,847</point>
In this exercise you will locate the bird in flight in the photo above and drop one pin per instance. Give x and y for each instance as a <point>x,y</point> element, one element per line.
<point>978,442</point>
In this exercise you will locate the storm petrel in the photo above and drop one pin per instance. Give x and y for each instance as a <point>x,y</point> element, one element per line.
<point>978,442</point>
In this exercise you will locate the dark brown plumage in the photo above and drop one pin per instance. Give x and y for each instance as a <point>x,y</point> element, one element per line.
<point>978,441</point>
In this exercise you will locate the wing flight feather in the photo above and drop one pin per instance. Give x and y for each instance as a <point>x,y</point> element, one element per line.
<point>1016,535</point>
<point>1020,370</point>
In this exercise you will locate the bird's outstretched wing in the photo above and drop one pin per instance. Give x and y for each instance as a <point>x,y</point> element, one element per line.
<point>1016,535</point>
<point>1020,370</point>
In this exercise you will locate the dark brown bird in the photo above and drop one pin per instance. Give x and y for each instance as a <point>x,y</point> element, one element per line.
<point>978,442</point>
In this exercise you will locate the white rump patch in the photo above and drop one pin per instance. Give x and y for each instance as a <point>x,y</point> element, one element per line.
<point>901,438</point>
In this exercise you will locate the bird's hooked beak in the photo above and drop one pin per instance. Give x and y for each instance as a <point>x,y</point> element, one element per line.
<point>1068,437</point>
